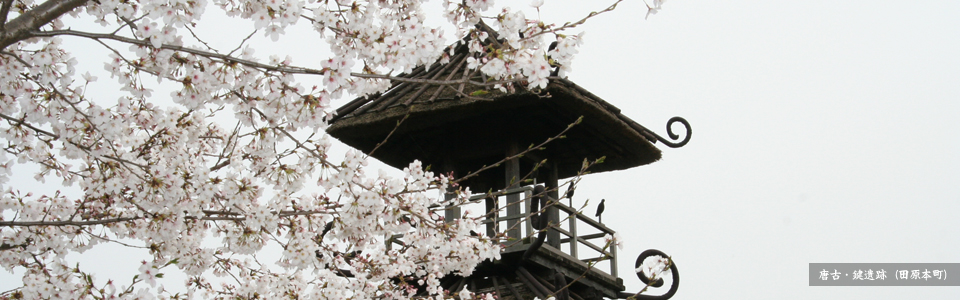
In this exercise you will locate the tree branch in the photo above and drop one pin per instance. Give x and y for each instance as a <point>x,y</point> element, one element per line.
<point>434,81</point>
<point>65,223</point>
<point>208,54</point>
<point>522,153</point>
<point>20,122</point>
<point>4,10</point>
<point>211,216</point>
<point>5,246</point>
<point>24,25</point>
<point>592,14</point>
<point>266,67</point>
<point>389,134</point>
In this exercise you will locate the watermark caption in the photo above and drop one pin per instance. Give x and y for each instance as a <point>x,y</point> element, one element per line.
<point>866,274</point>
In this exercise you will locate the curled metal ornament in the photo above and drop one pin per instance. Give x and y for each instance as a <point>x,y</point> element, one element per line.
<point>673,271</point>
<point>674,136</point>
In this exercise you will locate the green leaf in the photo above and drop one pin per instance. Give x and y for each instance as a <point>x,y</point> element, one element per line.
<point>479,93</point>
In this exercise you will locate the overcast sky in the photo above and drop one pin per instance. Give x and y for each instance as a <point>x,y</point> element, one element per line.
<point>824,132</point>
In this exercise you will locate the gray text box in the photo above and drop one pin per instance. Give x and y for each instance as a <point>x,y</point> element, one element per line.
<point>884,274</point>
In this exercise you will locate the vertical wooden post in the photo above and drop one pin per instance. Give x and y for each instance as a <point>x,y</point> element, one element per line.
<point>512,174</point>
<point>451,213</point>
<point>573,231</point>
<point>528,195</point>
<point>553,213</point>
<point>613,261</point>
<point>492,214</point>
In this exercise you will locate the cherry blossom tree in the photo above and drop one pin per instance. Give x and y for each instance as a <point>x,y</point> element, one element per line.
<point>237,153</point>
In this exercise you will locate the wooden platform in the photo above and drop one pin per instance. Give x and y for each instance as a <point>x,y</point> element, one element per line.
<point>585,282</point>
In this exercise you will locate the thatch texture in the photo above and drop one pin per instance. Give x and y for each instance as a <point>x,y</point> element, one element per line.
<point>461,127</point>
<point>473,133</point>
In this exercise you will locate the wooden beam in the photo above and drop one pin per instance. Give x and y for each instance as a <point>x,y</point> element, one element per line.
<point>496,287</point>
<point>585,237</point>
<point>534,284</point>
<point>584,218</point>
<point>573,231</point>
<point>613,261</point>
<point>552,258</point>
<point>452,212</point>
<point>553,213</point>
<point>513,290</point>
<point>530,286</point>
<point>493,211</point>
<point>513,200</point>
<point>527,199</point>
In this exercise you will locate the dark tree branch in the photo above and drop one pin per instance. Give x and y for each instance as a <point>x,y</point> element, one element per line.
<point>65,223</point>
<point>521,154</point>
<point>24,25</point>
<point>208,54</point>
<point>20,122</point>
<point>5,246</point>
<point>17,57</point>
<point>435,81</point>
<point>211,215</point>
<point>4,10</point>
<point>390,134</point>
<point>266,67</point>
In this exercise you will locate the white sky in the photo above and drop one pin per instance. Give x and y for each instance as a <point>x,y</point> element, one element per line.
<point>824,132</point>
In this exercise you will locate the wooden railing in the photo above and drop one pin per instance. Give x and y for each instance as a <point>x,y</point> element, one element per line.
<point>510,212</point>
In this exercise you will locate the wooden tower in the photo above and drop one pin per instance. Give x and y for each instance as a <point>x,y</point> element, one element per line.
<point>462,127</point>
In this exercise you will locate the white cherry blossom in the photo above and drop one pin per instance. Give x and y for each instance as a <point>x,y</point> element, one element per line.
<point>209,156</point>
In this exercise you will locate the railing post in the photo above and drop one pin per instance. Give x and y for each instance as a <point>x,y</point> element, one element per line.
<point>552,212</point>
<point>528,196</point>
<point>452,212</point>
<point>574,239</point>
<point>513,200</point>
<point>613,260</point>
<point>493,212</point>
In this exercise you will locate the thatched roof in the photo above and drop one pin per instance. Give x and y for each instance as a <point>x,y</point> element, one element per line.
<point>461,127</point>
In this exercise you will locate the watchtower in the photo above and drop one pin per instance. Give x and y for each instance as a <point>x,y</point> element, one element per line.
<point>437,116</point>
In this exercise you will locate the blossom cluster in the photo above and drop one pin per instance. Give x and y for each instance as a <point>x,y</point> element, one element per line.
<point>240,155</point>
